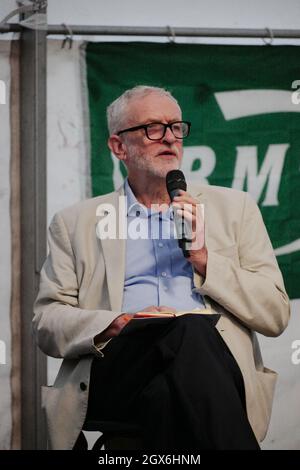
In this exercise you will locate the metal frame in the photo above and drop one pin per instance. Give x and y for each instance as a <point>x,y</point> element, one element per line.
<point>167,31</point>
<point>33,229</point>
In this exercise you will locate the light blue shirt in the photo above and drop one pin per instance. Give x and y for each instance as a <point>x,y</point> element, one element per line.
<point>156,272</point>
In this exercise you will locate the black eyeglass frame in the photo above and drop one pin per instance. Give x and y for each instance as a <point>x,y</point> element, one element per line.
<point>166,126</point>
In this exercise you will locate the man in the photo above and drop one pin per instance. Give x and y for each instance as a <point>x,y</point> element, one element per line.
<point>191,382</point>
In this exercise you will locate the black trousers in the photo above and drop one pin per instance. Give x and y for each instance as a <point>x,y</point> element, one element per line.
<point>177,379</point>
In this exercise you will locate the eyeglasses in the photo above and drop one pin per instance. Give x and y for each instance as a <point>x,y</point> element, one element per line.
<point>157,130</point>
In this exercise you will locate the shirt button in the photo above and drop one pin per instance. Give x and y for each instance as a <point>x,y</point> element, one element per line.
<point>160,244</point>
<point>164,274</point>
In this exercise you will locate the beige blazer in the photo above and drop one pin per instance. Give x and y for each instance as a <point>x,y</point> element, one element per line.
<point>81,291</point>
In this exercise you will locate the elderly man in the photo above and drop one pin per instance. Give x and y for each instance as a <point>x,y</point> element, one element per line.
<point>190,382</point>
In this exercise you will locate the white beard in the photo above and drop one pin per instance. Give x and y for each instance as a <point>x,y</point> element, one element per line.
<point>146,164</point>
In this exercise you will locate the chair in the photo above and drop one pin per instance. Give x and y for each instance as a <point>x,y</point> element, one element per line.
<point>116,435</point>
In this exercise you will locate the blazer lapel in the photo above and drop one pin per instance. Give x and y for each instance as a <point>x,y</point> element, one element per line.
<point>198,279</point>
<point>201,198</point>
<point>114,256</point>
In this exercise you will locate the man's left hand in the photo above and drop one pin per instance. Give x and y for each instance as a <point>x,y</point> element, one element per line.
<point>190,209</point>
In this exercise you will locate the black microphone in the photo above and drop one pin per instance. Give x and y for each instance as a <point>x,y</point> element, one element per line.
<point>175,181</point>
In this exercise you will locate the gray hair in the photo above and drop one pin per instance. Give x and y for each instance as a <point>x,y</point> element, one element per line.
<point>117,111</point>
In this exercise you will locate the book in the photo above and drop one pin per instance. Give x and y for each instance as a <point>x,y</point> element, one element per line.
<point>169,314</point>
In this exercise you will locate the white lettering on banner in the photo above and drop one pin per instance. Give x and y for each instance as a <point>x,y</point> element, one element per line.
<point>241,103</point>
<point>2,92</point>
<point>207,159</point>
<point>296,354</point>
<point>246,170</point>
<point>296,94</point>
<point>2,352</point>
<point>289,248</point>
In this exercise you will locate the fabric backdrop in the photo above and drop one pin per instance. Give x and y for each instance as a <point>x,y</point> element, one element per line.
<point>244,109</point>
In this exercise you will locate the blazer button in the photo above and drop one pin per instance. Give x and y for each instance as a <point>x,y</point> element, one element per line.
<point>83,386</point>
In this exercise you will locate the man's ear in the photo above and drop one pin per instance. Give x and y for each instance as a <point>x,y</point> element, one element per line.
<point>117,147</point>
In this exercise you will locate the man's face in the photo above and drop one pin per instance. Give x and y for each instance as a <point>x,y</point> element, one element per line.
<point>155,158</point>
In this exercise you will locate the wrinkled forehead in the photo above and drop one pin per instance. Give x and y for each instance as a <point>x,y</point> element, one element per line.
<point>153,107</point>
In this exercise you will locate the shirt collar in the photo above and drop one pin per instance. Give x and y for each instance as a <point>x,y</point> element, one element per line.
<point>136,209</point>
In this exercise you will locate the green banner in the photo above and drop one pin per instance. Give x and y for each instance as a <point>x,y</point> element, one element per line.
<point>244,106</point>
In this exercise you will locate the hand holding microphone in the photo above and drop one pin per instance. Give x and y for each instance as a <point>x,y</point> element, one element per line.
<point>176,183</point>
<point>189,221</point>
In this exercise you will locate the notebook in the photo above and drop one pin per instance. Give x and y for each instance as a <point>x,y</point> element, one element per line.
<point>197,311</point>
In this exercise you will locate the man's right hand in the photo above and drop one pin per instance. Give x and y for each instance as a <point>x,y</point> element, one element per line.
<point>118,324</point>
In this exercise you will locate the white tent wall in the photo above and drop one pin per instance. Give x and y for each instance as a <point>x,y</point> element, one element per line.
<point>191,13</point>
<point>67,155</point>
<point>68,173</point>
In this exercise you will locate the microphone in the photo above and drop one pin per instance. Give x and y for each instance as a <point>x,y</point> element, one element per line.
<point>175,181</point>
